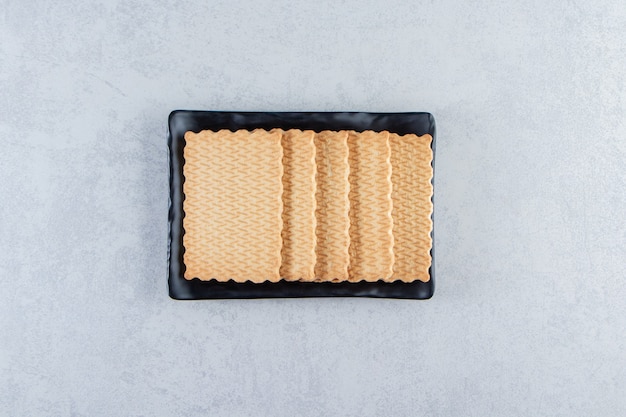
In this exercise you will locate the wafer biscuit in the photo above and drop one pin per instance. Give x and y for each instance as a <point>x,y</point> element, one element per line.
<point>333,206</point>
<point>233,205</point>
<point>371,224</point>
<point>298,252</point>
<point>411,158</point>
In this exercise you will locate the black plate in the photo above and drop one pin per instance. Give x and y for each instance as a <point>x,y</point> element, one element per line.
<point>180,121</point>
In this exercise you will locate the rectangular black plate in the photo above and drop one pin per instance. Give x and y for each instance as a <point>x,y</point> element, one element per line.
<point>181,121</point>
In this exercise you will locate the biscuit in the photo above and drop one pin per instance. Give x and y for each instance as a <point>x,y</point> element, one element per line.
<point>371,223</point>
<point>411,158</point>
<point>233,205</point>
<point>299,185</point>
<point>297,205</point>
<point>333,206</point>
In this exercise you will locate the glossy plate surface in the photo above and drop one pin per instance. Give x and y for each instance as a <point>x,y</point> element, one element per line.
<point>181,121</point>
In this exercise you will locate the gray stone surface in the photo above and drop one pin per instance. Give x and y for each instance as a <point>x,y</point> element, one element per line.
<point>529,314</point>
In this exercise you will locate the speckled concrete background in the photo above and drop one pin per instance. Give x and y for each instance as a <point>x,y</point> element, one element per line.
<point>529,314</point>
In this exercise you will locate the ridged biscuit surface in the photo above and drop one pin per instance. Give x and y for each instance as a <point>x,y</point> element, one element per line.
<point>333,206</point>
<point>371,224</point>
<point>233,205</point>
<point>411,158</point>
<point>298,253</point>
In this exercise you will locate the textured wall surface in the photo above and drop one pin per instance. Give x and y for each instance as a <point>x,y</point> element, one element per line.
<point>529,313</point>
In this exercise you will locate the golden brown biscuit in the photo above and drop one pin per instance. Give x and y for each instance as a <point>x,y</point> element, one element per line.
<point>233,205</point>
<point>298,253</point>
<point>371,224</point>
<point>411,158</point>
<point>333,206</point>
<point>326,207</point>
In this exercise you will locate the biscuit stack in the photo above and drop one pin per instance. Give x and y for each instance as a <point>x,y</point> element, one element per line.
<point>332,206</point>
